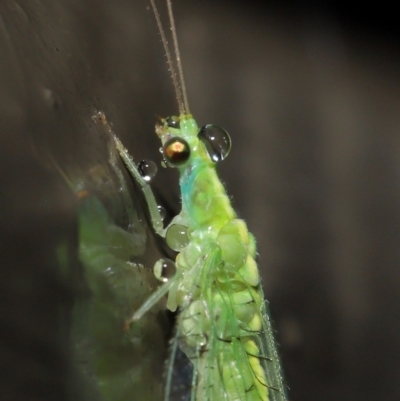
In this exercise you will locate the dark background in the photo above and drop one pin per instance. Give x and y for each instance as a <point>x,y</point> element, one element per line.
<point>310,94</point>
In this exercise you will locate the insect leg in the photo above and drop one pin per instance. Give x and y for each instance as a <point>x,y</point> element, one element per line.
<point>154,298</point>
<point>155,216</point>
<point>100,119</point>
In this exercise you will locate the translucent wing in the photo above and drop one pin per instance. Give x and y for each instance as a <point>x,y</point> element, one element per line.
<point>115,361</point>
<point>271,363</point>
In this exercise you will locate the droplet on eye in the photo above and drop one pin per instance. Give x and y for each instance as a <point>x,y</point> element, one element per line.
<point>164,269</point>
<point>177,237</point>
<point>147,169</point>
<point>216,140</point>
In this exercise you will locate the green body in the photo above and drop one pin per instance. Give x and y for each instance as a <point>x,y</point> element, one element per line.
<point>223,326</point>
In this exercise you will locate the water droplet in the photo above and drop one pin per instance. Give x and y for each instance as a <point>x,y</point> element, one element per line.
<point>216,140</point>
<point>177,237</point>
<point>164,269</point>
<point>147,169</point>
<point>203,341</point>
<point>162,212</point>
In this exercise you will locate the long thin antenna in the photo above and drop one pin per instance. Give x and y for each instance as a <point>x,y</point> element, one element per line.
<point>177,55</point>
<point>178,93</point>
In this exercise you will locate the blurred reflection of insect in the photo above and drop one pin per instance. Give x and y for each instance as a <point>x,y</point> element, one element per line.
<point>223,325</point>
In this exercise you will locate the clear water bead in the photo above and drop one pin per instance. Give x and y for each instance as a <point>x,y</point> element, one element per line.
<point>216,140</point>
<point>162,212</point>
<point>177,237</point>
<point>164,269</point>
<point>147,169</point>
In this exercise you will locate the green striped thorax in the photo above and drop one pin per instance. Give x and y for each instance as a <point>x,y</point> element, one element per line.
<point>195,151</point>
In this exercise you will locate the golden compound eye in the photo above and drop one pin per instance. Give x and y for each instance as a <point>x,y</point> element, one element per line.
<point>176,151</point>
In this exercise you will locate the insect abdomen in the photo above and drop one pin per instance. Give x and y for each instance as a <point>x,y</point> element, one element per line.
<point>221,297</point>
<point>238,289</point>
<point>223,321</point>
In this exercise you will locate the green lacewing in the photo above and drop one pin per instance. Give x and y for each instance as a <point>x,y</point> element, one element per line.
<point>223,326</point>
